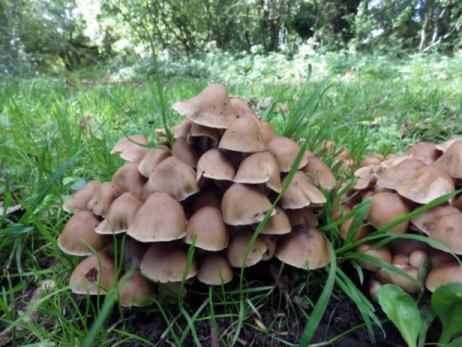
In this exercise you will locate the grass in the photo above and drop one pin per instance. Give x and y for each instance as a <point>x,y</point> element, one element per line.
<point>46,151</point>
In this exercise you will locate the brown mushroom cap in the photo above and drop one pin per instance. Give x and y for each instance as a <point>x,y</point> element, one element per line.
<point>78,236</point>
<point>367,176</point>
<point>278,224</point>
<point>185,152</point>
<point>102,199</point>
<point>135,291</point>
<point>304,249</point>
<point>167,263</point>
<point>240,109</point>
<point>386,207</point>
<point>451,160</point>
<point>425,221</point>
<point>243,135</point>
<point>215,270</point>
<point>151,159</point>
<point>131,148</point>
<point>449,273</point>
<point>211,108</point>
<point>94,275</point>
<point>128,179</point>
<point>424,151</point>
<point>161,218</point>
<point>242,205</point>
<point>285,150</point>
<point>301,193</point>
<point>426,184</point>
<point>376,252</point>
<point>79,200</point>
<point>213,164</point>
<point>174,177</point>
<point>207,228</point>
<point>120,215</point>
<point>236,251</point>
<point>395,174</point>
<point>319,173</point>
<point>260,168</point>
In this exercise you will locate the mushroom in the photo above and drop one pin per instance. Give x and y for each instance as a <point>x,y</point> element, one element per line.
<point>215,270</point>
<point>135,291</point>
<point>213,164</point>
<point>260,168</point>
<point>102,199</point>
<point>451,160</point>
<point>243,135</point>
<point>319,173</point>
<point>94,275</point>
<point>448,273</point>
<point>386,207</point>
<point>240,109</point>
<point>301,193</point>
<point>120,215</point>
<point>395,174</point>
<point>285,151</point>
<point>443,147</point>
<point>278,224</point>
<point>304,249</point>
<point>424,151</point>
<point>184,152</point>
<point>131,148</point>
<point>376,252</point>
<point>79,200</point>
<point>78,236</point>
<point>128,179</point>
<point>151,159</point>
<point>166,263</point>
<point>241,254</point>
<point>207,229</point>
<point>161,218</point>
<point>211,108</point>
<point>242,205</point>
<point>174,177</point>
<point>366,176</point>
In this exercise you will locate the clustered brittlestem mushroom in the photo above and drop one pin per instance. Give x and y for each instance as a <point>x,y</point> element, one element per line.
<point>210,188</point>
<point>397,185</point>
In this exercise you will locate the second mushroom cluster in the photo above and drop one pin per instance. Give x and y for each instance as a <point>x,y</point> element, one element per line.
<point>209,188</point>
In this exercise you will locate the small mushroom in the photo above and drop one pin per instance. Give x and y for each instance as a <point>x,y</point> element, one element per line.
<point>243,135</point>
<point>78,236</point>
<point>319,173</point>
<point>278,224</point>
<point>451,160</point>
<point>260,168</point>
<point>102,199</point>
<point>128,179</point>
<point>215,270</point>
<point>213,164</point>
<point>160,219</point>
<point>393,176</point>
<point>239,252</point>
<point>166,263</point>
<point>151,159</point>
<point>135,291</point>
<point>285,151</point>
<point>207,228</point>
<point>79,200</point>
<point>131,148</point>
<point>385,207</point>
<point>174,177</point>
<point>301,193</point>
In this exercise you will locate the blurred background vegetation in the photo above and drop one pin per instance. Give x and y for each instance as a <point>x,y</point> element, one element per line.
<point>60,36</point>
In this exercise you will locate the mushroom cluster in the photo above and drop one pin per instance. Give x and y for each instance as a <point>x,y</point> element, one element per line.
<point>396,186</point>
<point>209,189</point>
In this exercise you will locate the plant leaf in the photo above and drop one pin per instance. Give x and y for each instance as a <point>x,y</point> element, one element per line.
<point>447,304</point>
<point>402,310</point>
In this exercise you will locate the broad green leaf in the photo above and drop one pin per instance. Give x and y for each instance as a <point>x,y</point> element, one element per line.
<point>447,304</point>
<point>402,310</point>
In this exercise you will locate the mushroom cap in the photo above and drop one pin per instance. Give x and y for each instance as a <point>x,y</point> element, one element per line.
<point>267,131</point>
<point>242,205</point>
<point>451,160</point>
<point>167,263</point>
<point>129,148</point>
<point>215,270</point>
<point>174,177</point>
<point>301,193</point>
<point>278,224</point>
<point>213,164</point>
<point>260,168</point>
<point>78,236</point>
<point>319,173</point>
<point>120,215</point>
<point>128,179</point>
<point>199,131</point>
<point>206,226</point>
<point>236,251</point>
<point>285,150</point>
<point>211,108</point>
<point>182,129</point>
<point>135,291</point>
<point>424,151</point>
<point>302,217</point>
<point>304,249</point>
<point>426,184</point>
<point>151,159</point>
<point>385,207</point>
<point>79,200</point>
<point>185,152</point>
<point>161,218</point>
<point>396,173</point>
<point>240,109</point>
<point>425,221</point>
<point>443,147</point>
<point>94,275</point>
<point>102,199</point>
<point>448,273</point>
<point>367,176</point>
<point>243,135</point>
<point>376,252</point>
